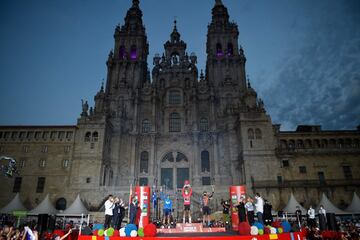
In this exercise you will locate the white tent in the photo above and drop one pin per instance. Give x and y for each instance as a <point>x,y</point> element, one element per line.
<point>291,205</point>
<point>45,207</point>
<point>77,208</point>
<point>354,206</point>
<point>328,206</point>
<point>14,205</point>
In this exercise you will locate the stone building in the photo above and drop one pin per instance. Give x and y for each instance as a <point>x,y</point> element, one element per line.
<point>173,123</point>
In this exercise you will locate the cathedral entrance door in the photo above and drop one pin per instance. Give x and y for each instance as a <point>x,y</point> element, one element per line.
<point>167,178</point>
<point>174,170</point>
<point>182,174</point>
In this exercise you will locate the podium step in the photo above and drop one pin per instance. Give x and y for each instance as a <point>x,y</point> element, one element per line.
<point>190,228</point>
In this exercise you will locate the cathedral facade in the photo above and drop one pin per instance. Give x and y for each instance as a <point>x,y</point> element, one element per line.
<point>176,123</point>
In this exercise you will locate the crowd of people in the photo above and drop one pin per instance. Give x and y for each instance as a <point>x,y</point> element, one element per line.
<point>28,231</point>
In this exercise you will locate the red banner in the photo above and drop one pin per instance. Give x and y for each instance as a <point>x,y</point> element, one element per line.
<point>235,193</point>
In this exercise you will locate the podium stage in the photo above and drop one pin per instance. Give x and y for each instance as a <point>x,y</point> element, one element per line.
<point>189,228</point>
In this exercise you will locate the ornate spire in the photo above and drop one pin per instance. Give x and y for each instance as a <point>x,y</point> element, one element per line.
<point>133,19</point>
<point>218,2</point>
<point>136,3</point>
<point>220,13</point>
<point>175,35</point>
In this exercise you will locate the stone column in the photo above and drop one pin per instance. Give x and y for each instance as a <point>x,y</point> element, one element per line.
<point>196,175</point>
<point>216,157</point>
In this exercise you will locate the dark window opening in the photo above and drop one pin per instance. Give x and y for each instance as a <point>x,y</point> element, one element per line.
<point>143,181</point>
<point>347,172</point>
<point>122,52</point>
<point>175,122</point>
<point>230,49</point>
<point>133,52</point>
<point>40,185</point>
<point>144,162</point>
<point>302,169</point>
<point>285,163</point>
<point>17,184</point>
<point>219,51</point>
<point>205,161</point>
<point>206,181</point>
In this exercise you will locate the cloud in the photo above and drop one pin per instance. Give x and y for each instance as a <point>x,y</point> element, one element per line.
<point>319,82</point>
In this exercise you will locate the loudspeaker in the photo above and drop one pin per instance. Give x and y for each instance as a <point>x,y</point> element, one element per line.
<point>331,221</point>
<point>86,231</point>
<point>42,222</point>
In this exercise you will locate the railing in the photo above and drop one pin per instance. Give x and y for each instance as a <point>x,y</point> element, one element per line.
<point>306,183</point>
<point>335,150</point>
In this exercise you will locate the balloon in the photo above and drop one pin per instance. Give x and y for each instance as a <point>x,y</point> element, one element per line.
<point>129,228</point>
<point>122,232</point>
<point>141,232</point>
<point>254,231</point>
<point>133,233</point>
<point>101,232</point>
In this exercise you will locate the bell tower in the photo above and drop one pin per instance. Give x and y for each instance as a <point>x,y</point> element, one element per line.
<point>225,60</point>
<point>127,64</point>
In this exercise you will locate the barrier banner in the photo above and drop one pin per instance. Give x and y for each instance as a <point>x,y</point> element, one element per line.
<point>235,193</point>
<point>144,195</point>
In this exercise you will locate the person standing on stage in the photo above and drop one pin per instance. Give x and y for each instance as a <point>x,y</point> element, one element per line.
<point>186,193</point>
<point>205,206</point>
<point>116,214</point>
<point>241,209</point>
<point>298,215</point>
<point>322,218</point>
<point>226,207</point>
<point>249,206</point>
<point>311,217</point>
<point>109,206</point>
<point>267,215</point>
<point>122,211</point>
<point>167,208</point>
<point>259,205</point>
<point>133,210</point>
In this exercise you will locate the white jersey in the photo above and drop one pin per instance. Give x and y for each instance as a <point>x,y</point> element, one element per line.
<point>259,205</point>
<point>109,206</point>
<point>311,213</point>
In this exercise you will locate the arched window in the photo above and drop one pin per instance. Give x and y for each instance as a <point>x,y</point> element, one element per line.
<point>175,122</point>
<point>144,162</point>
<point>204,125</point>
<point>219,51</point>
<point>340,143</point>
<point>87,137</point>
<point>258,134</point>
<point>291,144</point>
<point>250,133</point>
<point>174,97</point>
<point>180,157</point>
<point>122,52</point>
<point>95,136</point>
<point>300,143</point>
<point>133,52</point>
<point>205,161</point>
<point>283,144</point>
<point>230,49</point>
<point>308,143</point>
<point>317,143</point>
<point>146,126</point>
<point>324,143</point>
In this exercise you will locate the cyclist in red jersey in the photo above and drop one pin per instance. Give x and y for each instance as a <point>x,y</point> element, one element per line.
<point>186,193</point>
